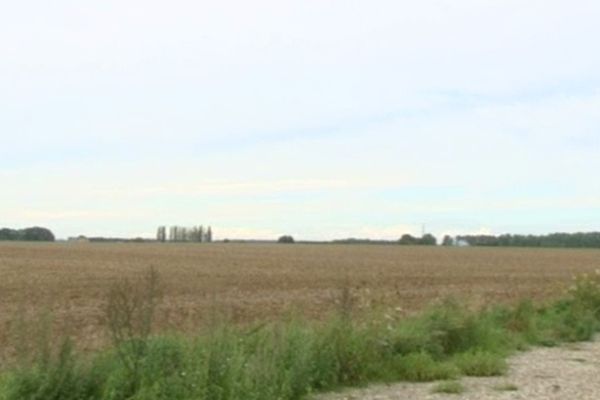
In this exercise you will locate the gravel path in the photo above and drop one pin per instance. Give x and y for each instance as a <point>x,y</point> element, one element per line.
<point>570,372</point>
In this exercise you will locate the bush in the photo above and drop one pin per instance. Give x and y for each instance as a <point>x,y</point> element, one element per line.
<point>448,329</point>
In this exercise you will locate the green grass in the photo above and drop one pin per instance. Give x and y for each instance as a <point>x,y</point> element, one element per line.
<point>293,358</point>
<point>449,387</point>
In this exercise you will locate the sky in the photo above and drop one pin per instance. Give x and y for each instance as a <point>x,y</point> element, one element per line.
<point>318,118</point>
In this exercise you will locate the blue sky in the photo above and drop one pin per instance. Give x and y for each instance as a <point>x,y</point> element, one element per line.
<point>321,119</point>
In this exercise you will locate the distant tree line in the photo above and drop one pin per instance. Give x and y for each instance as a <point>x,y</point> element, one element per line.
<point>579,239</point>
<point>362,241</point>
<point>33,234</point>
<point>184,234</point>
<point>426,240</point>
<point>101,239</point>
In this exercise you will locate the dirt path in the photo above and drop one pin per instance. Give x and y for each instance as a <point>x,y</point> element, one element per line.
<point>571,372</point>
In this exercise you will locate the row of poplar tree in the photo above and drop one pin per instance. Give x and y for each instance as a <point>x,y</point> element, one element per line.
<point>184,234</point>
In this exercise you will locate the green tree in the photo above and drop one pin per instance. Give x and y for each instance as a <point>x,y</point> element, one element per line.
<point>407,239</point>
<point>285,239</point>
<point>448,241</point>
<point>34,234</point>
<point>428,240</point>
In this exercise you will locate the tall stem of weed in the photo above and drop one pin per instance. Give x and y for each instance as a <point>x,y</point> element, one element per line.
<point>130,313</point>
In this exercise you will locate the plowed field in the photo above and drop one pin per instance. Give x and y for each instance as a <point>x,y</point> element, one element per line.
<point>68,283</point>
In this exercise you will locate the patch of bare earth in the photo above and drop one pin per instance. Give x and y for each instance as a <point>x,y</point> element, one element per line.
<point>570,372</point>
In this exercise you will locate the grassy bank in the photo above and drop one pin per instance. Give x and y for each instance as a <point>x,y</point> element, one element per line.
<point>293,358</point>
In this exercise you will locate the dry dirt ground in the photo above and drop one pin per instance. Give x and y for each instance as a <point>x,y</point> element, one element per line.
<point>570,372</point>
<point>68,284</point>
